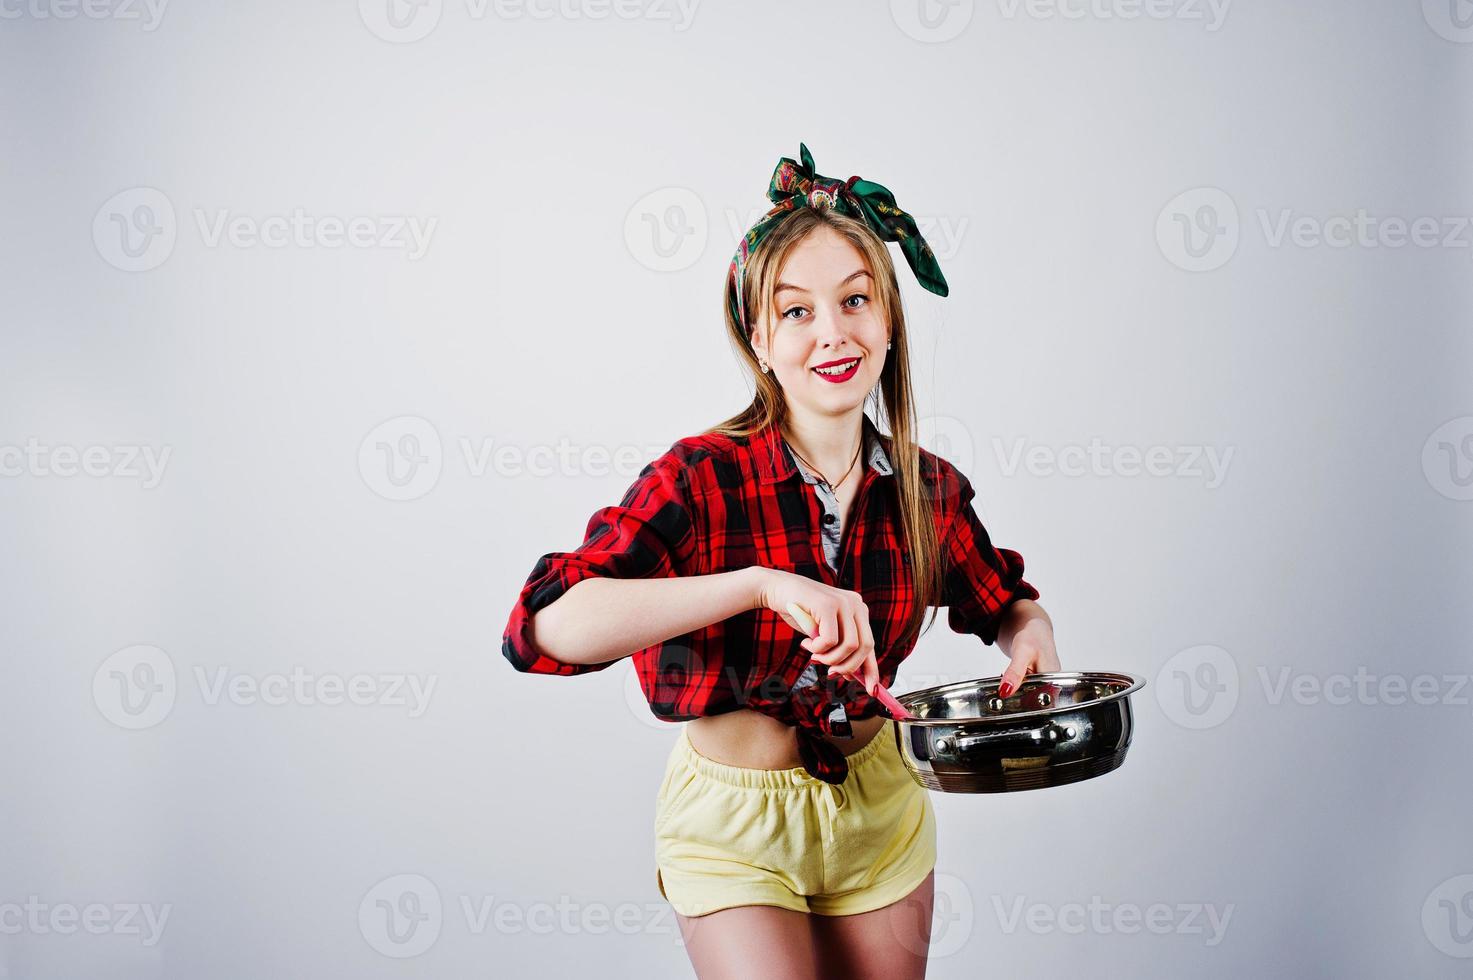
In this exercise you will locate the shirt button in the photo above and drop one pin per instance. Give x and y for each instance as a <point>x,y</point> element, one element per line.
<point>830,518</point>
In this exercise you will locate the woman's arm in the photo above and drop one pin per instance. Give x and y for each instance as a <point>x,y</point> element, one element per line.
<point>601,620</point>
<point>645,555</point>
<point>1022,612</point>
<point>1026,635</point>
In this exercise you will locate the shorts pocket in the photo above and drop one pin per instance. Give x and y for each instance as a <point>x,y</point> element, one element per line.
<point>673,793</point>
<point>889,775</point>
<point>913,823</point>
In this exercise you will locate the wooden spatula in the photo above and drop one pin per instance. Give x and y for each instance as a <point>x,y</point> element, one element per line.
<point>878,692</point>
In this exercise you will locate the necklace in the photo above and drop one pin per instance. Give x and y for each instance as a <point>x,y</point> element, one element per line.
<point>832,486</point>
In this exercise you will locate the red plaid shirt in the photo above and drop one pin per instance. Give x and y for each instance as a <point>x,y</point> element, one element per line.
<point>714,504</point>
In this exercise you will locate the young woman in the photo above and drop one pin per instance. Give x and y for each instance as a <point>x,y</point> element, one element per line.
<point>790,839</point>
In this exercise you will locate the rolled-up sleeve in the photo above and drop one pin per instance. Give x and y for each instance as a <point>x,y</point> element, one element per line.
<point>649,534</point>
<point>981,581</point>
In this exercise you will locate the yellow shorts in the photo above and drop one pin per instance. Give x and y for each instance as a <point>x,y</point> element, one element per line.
<point>727,836</point>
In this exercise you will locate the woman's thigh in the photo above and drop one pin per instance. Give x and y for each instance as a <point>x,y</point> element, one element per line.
<point>750,941</point>
<point>889,943</point>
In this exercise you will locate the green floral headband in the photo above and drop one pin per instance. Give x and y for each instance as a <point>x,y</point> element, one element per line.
<point>796,185</point>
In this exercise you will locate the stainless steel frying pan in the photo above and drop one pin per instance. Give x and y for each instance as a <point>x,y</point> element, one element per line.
<point>1056,728</point>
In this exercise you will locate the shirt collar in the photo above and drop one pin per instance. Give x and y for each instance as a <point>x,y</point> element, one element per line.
<point>775,459</point>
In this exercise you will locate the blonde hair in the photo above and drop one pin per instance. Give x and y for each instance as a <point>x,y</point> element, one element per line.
<point>918,524</point>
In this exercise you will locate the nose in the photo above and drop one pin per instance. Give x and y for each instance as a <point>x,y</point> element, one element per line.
<point>831,330</point>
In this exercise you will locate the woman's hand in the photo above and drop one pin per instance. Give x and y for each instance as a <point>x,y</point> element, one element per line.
<point>1030,648</point>
<point>844,641</point>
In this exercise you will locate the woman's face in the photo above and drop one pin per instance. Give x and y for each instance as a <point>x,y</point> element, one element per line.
<point>825,313</point>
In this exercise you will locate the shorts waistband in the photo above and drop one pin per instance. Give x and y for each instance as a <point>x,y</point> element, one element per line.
<point>771,778</point>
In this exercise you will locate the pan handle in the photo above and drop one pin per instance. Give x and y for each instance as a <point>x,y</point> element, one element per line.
<point>963,742</point>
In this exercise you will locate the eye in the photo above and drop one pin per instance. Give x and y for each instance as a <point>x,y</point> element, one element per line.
<point>790,310</point>
<point>857,296</point>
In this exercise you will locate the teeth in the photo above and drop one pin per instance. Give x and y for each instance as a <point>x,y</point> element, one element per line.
<point>838,368</point>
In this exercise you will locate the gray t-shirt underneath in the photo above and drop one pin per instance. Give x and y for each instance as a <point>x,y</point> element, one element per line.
<point>829,530</point>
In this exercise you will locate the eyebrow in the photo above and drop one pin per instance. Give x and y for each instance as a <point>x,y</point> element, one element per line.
<point>785,285</point>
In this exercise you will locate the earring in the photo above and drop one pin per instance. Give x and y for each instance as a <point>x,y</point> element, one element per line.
<point>763,363</point>
<point>887,345</point>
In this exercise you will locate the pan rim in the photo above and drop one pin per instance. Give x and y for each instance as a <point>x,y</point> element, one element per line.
<point>909,699</point>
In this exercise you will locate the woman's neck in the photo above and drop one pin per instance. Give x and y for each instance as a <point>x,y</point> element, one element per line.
<point>826,443</point>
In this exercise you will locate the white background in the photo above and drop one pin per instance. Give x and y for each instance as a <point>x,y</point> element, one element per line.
<point>582,180</point>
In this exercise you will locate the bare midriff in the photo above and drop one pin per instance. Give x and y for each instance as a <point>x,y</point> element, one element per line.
<point>752,740</point>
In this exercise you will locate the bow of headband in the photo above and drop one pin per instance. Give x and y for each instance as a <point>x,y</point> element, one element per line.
<point>795,185</point>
